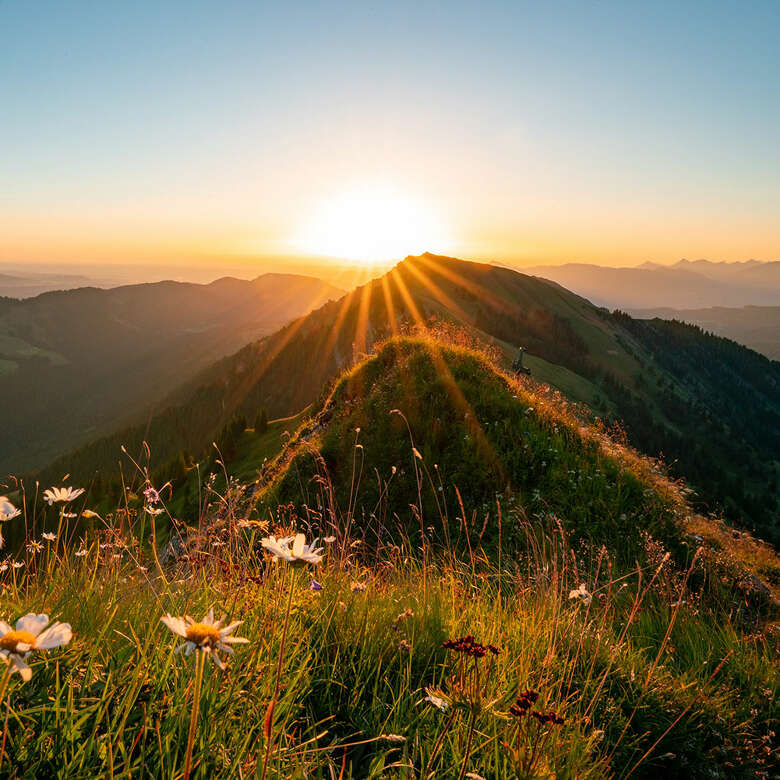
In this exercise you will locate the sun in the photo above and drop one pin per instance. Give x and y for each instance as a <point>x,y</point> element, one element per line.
<point>372,224</point>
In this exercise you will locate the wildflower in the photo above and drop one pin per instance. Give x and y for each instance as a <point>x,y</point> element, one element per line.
<point>358,587</point>
<point>31,633</point>
<point>80,553</point>
<point>437,699</point>
<point>17,564</point>
<point>7,510</point>
<point>149,509</point>
<point>315,586</point>
<point>207,636</point>
<point>549,718</point>
<point>473,776</point>
<point>34,547</point>
<point>417,453</point>
<point>49,536</point>
<point>523,703</point>
<point>468,646</point>
<point>243,523</point>
<point>61,495</point>
<point>299,553</point>
<point>329,539</point>
<point>582,594</point>
<point>151,495</point>
<point>404,645</point>
<point>88,513</point>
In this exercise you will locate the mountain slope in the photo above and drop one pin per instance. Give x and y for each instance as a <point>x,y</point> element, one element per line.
<point>709,406</point>
<point>75,363</point>
<point>422,418</point>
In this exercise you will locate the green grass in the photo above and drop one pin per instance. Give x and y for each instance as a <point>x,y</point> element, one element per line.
<point>116,701</point>
<point>255,449</point>
<point>475,512</point>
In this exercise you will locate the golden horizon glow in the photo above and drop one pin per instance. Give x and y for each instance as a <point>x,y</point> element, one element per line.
<point>371,225</point>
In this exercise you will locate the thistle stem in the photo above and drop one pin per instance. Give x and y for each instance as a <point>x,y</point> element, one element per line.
<point>468,747</point>
<point>200,659</point>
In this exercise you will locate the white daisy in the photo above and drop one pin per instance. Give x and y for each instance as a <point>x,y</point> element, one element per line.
<point>7,510</point>
<point>582,594</point>
<point>49,536</point>
<point>61,495</point>
<point>207,635</point>
<point>32,632</point>
<point>300,552</point>
<point>81,552</point>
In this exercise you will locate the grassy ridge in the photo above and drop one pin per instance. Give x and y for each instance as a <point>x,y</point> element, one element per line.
<point>707,405</point>
<point>474,430</point>
<point>571,554</point>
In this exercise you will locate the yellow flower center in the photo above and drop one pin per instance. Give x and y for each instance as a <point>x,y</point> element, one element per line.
<point>202,633</point>
<point>14,638</point>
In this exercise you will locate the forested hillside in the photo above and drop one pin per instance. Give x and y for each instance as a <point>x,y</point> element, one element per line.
<point>80,363</point>
<point>707,405</point>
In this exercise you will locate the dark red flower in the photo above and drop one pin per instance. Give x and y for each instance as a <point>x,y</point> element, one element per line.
<point>467,645</point>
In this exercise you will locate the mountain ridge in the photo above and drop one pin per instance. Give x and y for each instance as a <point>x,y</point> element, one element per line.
<point>679,392</point>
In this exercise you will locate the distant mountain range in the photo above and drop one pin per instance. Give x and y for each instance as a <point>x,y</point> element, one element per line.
<point>710,406</point>
<point>684,285</point>
<point>28,285</point>
<point>75,364</point>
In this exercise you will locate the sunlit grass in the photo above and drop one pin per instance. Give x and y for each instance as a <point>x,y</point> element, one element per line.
<point>409,641</point>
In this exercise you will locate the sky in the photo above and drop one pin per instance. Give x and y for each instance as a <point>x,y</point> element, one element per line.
<point>209,134</point>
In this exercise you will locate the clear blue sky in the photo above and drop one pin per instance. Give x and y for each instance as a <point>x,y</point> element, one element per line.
<point>620,131</point>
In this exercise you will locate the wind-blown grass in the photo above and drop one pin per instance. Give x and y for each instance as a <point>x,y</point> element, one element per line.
<point>362,651</point>
<point>648,649</point>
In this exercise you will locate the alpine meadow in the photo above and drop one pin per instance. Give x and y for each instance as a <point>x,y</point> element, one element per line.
<point>361,416</point>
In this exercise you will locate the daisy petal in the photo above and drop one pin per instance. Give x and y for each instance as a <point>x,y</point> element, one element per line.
<point>230,629</point>
<point>32,623</point>
<point>24,671</point>
<point>56,635</point>
<point>175,624</point>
